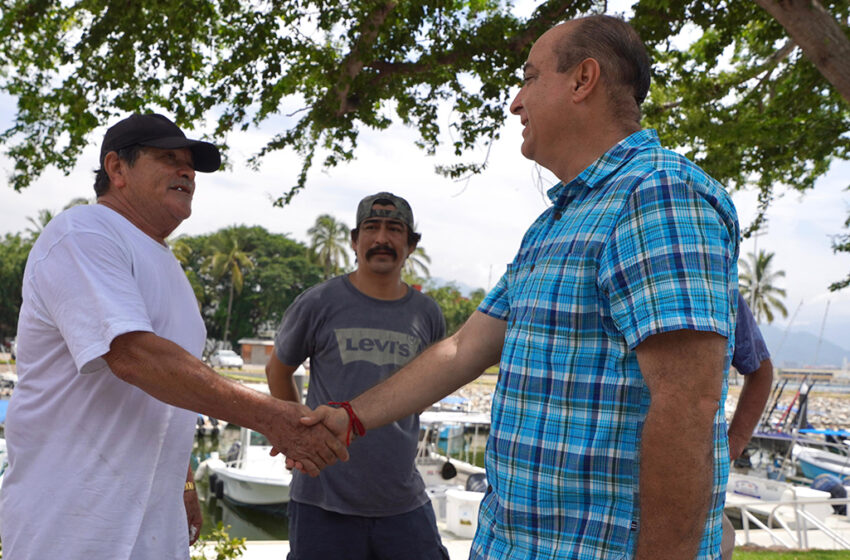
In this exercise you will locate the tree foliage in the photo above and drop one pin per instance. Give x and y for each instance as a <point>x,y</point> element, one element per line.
<point>455,306</point>
<point>327,68</point>
<point>742,100</point>
<point>841,244</point>
<point>281,271</point>
<point>751,91</point>
<point>415,269</point>
<point>14,249</point>
<point>228,260</point>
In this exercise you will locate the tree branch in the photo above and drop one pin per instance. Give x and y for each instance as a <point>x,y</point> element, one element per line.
<point>819,35</point>
<point>542,19</point>
<point>354,62</point>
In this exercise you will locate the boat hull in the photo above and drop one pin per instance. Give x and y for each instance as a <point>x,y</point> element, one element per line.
<point>814,462</point>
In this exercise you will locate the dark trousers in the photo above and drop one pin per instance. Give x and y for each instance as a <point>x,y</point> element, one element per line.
<point>318,534</point>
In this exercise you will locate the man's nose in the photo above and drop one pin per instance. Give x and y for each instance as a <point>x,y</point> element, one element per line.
<point>382,234</point>
<point>516,104</point>
<point>187,170</point>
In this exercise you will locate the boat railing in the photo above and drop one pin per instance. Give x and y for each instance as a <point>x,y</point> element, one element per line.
<point>785,535</point>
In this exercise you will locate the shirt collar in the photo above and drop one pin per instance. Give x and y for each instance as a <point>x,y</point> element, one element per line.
<point>599,171</point>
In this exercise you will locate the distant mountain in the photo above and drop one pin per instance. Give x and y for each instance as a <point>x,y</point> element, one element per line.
<point>802,348</point>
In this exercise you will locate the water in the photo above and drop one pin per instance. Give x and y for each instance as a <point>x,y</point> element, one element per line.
<point>244,522</point>
<point>257,525</point>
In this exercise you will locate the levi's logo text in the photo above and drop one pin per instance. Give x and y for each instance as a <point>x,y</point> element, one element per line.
<point>377,346</point>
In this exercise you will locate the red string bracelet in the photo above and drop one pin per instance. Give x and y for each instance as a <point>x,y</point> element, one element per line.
<point>353,421</point>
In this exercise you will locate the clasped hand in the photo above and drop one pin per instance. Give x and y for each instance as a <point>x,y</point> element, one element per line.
<point>328,431</point>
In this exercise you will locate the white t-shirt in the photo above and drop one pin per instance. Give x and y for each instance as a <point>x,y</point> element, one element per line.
<point>96,465</point>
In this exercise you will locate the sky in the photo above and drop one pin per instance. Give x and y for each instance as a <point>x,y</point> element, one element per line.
<point>470,229</point>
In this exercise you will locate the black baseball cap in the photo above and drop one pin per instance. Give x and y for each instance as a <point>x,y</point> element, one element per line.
<point>156,131</point>
<point>402,211</point>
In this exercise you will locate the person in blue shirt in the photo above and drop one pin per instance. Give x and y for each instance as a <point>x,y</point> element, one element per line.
<point>612,328</point>
<point>752,360</point>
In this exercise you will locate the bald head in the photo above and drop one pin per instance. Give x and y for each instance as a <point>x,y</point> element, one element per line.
<point>616,46</point>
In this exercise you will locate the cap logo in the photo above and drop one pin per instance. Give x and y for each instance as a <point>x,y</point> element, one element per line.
<point>381,213</point>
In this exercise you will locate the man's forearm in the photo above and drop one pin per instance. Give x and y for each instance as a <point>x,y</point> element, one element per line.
<point>424,381</point>
<point>281,378</point>
<point>440,370</point>
<point>676,479</point>
<point>683,371</point>
<point>170,374</point>
<point>750,406</point>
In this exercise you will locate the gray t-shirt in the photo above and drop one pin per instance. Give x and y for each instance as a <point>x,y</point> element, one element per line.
<point>354,342</point>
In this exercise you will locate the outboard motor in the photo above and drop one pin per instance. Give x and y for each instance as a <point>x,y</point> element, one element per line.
<point>832,484</point>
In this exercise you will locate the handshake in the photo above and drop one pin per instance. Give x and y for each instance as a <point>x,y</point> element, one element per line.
<point>313,439</point>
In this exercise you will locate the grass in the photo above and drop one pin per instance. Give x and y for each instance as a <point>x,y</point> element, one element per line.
<point>743,553</point>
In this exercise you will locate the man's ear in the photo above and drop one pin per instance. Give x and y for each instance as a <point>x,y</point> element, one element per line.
<point>586,75</point>
<point>115,169</point>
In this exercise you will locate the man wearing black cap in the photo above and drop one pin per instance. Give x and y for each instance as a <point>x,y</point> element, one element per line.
<point>100,428</point>
<point>358,329</point>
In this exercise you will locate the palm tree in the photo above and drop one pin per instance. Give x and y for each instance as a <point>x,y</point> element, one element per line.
<point>44,217</point>
<point>329,241</point>
<point>228,259</point>
<point>80,201</point>
<point>39,223</point>
<point>757,283</point>
<point>183,252</point>
<point>416,266</point>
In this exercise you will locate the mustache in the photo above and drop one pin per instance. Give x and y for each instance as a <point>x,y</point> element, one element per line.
<point>381,249</point>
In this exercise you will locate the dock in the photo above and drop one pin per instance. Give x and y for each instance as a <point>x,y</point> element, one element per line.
<point>277,550</point>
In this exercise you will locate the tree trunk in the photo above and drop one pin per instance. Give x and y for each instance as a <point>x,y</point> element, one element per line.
<point>229,307</point>
<point>819,35</point>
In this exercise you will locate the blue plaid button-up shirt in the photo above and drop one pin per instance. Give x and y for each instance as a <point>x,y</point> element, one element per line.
<point>641,242</point>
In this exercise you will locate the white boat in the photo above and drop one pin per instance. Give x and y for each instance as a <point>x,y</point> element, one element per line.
<point>455,486</point>
<point>440,468</point>
<point>248,475</point>
<point>814,462</point>
<point>762,497</point>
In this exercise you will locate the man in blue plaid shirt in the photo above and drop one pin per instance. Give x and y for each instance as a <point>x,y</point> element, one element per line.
<point>613,327</point>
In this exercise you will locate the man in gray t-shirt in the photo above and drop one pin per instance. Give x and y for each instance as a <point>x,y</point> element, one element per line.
<point>358,329</point>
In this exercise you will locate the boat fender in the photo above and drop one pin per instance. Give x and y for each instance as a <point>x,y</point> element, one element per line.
<point>448,471</point>
<point>832,484</point>
<point>219,489</point>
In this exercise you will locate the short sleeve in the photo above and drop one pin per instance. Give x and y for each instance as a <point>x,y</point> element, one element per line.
<point>292,342</point>
<point>750,348</point>
<point>85,285</point>
<point>669,263</point>
<point>439,322</point>
<point>496,303</point>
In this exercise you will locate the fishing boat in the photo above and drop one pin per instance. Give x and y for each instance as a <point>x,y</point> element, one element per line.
<point>814,462</point>
<point>248,476</point>
<point>448,467</point>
